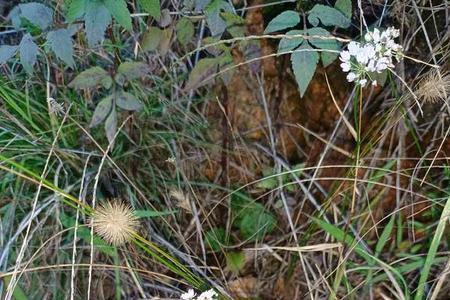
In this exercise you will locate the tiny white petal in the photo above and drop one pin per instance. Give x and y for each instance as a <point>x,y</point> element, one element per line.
<point>190,294</point>
<point>374,83</point>
<point>351,76</point>
<point>345,67</point>
<point>363,82</point>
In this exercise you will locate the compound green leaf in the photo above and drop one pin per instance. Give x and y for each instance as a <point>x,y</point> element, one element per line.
<point>119,10</point>
<point>286,19</point>
<point>328,16</point>
<point>304,63</point>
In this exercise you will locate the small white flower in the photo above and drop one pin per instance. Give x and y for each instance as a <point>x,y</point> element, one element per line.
<point>208,295</point>
<point>374,83</point>
<point>190,294</point>
<point>351,77</point>
<point>375,55</point>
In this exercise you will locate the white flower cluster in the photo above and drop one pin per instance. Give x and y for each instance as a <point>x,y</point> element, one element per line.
<point>374,55</point>
<point>208,295</point>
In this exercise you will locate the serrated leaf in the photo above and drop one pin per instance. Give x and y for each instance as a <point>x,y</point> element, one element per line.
<point>90,78</point>
<point>212,14</point>
<point>216,238</point>
<point>60,41</point>
<point>76,10</point>
<point>235,261</point>
<point>119,10</point>
<point>131,70</point>
<point>97,19</point>
<point>201,71</point>
<point>345,7</point>
<point>304,63</point>
<point>235,24</point>
<point>256,224</point>
<point>328,16</point>
<point>37,13</point>
<point>326,44</point>
<point>153,7</point>
<point>286,19</point>
<point>288,44</point>
<point>111,125</point>
<point>28,53</point>
<point>151,39</point>
<point>185,31</point>
<point>128,101</point>
<point>101,111</point>
<point>6,52</point>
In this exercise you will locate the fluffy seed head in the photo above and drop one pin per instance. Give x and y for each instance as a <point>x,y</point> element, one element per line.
<point>434,87</point>
<point>115,222</point>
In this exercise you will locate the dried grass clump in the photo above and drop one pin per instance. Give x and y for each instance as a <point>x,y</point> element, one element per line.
<point>115,222</point>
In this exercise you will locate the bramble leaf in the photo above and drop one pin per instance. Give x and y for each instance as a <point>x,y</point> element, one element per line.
<point>201,71</point>
<point>60,41</point>
<point>304,63</point>
<point>345,7</point>
<point>128,101</point>
<point>37,13</point>
<point>97,18</point>
<point>119,10</point>
<point>101,111</point>
<point>286,19</point>
<point>151,39</point>
<point>91,78</point>
<point>288,44</point>
<point>6,52</point>
<point>131,70</point>
<point>328,16</point>
<point>212,14</point>
<point>326,44</point>
<point>76,10</point>
<point>153,7</point>
<point>111,125</point>
<point>185,31</point>
<point>28,53</point>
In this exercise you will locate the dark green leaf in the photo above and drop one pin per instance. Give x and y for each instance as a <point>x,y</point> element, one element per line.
<point>304,64</point>
<point>111,125</point>
<point>36,13</point>
<point>28,53</point>
<point>185,30</point>
<point>326,44</point>
<point>76,10</point>
<point>256,224</point>
<point>6,52</point>
<point>202,71</point>
<point>152,39</point>
<point>97,19</point>
<point>131,70</point>
<point>235,261</point>
<point>128,101</point>
<point>329,16</point>
<point>286,19</point>
<point>153,7</point>
<point>288,44</point>
<point>235,24</point>
<point>90,78</point>
<point>212,13</point>
<point>345,7</point>
<point>101,111</point>
<point>119,10</point>
<point>60,41</point>
<point>216,238</point>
